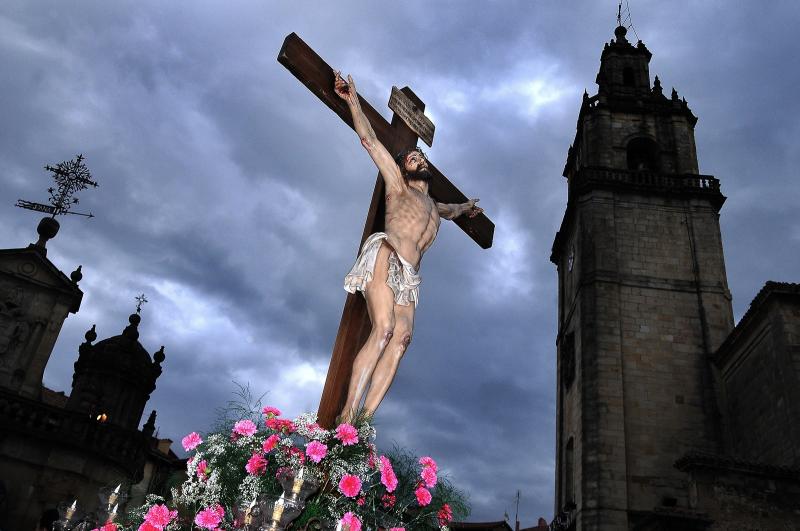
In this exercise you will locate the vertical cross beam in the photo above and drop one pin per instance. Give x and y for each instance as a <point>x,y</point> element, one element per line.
<point>317,76</point>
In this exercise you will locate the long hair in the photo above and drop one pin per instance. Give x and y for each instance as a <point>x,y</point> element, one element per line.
<point>400,158</point>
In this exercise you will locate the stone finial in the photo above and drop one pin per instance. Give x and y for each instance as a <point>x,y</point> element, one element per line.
<point>91,334</point>
<point>47,230</point>
<point>674,94</point>
<point>159,356</point>
<point>150,426</point>
<point>657,86</point>
<point>76,275</point>
<point>132,331</point>
<point>86,347</point>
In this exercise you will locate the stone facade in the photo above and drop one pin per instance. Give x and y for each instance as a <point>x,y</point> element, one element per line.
<point>35,298</point>
<point>54,447</point>
<point>643,307</point>
<point>759,368</point>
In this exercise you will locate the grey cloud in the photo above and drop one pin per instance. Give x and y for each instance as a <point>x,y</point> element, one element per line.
<point>223,177</point>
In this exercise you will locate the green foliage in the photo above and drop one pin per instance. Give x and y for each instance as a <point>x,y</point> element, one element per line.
<point>243,405</point>
<point>241,462</point>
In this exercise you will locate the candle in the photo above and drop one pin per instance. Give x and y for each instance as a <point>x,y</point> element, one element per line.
<point>71,510</point>
<point>298,483</point>
<point>277,512</point>
<point>248,514</point>
<point>339,526</point>
<point>113,514</point>
<point>112,499</point>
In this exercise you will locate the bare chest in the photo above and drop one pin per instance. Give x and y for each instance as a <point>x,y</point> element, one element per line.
<point>413,215</point>
<point>411,206</point>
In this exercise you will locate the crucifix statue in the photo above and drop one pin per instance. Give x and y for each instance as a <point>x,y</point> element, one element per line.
<point>409,199</point>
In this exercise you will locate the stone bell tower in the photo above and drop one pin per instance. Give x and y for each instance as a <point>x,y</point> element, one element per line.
<point>643,300</point>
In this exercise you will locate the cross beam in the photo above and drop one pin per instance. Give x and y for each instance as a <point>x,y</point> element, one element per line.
<point>318,77</point>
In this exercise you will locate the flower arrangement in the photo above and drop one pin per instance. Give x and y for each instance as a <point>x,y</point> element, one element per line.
<point>337,477</point>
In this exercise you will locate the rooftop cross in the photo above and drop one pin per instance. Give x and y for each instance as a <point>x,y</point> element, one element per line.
<point>141,299</point>
<point>70,176</point>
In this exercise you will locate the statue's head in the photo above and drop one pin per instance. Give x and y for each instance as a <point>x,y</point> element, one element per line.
<point>414,165</point>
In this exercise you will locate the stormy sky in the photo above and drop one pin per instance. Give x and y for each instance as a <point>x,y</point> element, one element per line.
<point>235,200</point>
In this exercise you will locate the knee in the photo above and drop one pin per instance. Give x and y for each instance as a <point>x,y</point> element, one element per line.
<point>384,331</point>
<point>404,339</point>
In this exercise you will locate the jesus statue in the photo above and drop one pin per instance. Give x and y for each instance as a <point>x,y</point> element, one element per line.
<point>386,270</point>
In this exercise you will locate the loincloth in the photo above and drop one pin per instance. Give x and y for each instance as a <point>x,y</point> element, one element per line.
<point>402,277</point>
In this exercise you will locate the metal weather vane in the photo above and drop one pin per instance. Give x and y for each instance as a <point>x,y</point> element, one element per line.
<point>139,301</point>
<point>70,176</point>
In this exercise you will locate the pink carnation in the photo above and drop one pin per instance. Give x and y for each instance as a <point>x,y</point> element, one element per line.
<point>347,433</point>
<point>350,485</point>
<point>388,500</point>
<point>298,453</point>
<point>110,526</point>
<point>270,443</point>
<point>428,462</point>
<point>388,477</point>
<point>423,496</point>
<point>202,469</point>
<point>270,412</point>
<point>361,501</point>
<point>257,465</point>
<point>315,451</point>
<point>350,522</point>
<point>397,529</point>
<point>244,427</point>
<point>284,425</point>
<point>429,477</point>
<point>210,517</point>
<point>191,441</point>
<point>145,527</point>
<point>445,515</point>
<point>159,516</point>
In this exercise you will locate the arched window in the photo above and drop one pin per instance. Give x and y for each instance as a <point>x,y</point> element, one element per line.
<point>627,76</point>
<point>643,155</point>
<point>569,471</point>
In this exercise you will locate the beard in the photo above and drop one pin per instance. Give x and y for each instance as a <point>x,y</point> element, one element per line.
<point>422,174</point>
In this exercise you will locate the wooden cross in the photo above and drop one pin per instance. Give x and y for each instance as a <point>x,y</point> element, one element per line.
<point>355,326</point>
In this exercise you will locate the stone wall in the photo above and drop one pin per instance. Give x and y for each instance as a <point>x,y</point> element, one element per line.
<point>642,394</point>
<point>761,379</point>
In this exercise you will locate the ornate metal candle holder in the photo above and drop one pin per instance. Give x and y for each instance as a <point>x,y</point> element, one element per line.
<point>298,487</point>
<point>73,517</point>
<point>273,513</point>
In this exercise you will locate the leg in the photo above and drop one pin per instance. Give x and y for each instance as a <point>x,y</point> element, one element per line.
<point>380,305</point>
<point>387,365</point>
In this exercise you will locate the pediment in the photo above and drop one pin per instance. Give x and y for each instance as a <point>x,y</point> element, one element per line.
<point>28,265</point>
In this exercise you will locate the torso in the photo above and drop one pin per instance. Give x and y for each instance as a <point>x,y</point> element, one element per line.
<point>412,222</point>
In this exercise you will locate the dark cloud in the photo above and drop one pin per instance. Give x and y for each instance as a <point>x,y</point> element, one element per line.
<point>235,199</point>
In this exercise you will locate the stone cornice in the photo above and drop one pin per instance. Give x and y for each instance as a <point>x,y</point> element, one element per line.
<point>700,460</point>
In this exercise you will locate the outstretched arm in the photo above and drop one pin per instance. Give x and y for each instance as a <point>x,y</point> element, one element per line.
<point>453,210</point>
<point>380,155</point>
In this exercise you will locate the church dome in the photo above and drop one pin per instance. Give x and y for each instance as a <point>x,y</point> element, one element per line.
<point>123,352</point>
<point>114,378</point>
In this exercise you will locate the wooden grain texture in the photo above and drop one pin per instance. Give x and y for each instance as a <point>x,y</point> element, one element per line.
<point>354,327</point>
<point>311,70</point>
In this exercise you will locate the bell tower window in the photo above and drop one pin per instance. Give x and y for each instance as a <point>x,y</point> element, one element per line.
<point>643,155</point>
<point>627,76</point>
